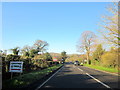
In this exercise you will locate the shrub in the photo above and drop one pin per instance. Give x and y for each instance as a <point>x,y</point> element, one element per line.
<point>11,57</point>
<point>110,59</point>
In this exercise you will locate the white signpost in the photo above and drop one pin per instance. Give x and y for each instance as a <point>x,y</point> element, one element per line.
<point>16,66</point>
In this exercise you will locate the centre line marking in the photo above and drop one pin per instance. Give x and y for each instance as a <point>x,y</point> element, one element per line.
<point>98,81</point>
<point>48,79</point>
<point>80,69</point>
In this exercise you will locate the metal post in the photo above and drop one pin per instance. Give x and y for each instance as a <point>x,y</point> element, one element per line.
<point>20,73</point>
<point>11,74</point>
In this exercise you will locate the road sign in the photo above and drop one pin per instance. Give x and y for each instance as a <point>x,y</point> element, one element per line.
<point>16,66</point>
<point>55,59</point>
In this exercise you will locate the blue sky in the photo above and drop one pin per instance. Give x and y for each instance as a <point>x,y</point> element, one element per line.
<point>60,24</point>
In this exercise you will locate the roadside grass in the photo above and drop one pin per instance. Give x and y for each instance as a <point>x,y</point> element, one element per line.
<point>112,70</point>
<point>26,79</point>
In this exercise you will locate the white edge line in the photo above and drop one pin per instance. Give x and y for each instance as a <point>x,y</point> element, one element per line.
<point>98,81</point>
<point>47,80</point>
<point>104,71</point>
<point>80,69</point>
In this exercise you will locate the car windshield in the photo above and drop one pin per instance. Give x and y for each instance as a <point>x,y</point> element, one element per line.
<point>76,61</point>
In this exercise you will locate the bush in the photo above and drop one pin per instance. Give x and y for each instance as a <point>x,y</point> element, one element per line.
<point>11,57</point>
<point>29,78</point>
<point>110,59</point>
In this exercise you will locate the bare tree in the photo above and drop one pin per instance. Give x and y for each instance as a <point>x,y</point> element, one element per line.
<point>86,41</point>
<point>40,45</point>
<point>109,25</point>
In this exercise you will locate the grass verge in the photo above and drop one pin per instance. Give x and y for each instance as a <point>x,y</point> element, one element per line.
<point>111,70</point>
<point>29,78</point>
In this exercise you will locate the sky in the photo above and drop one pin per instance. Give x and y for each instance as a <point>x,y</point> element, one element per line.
<point>58,23</point>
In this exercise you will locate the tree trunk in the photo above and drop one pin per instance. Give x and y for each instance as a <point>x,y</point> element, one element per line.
<point>88,59</point>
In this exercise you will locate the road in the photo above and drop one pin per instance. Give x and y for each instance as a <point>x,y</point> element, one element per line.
<point>70,76</point>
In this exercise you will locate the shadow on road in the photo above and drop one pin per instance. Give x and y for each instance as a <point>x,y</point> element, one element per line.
<point>72,81</point>
<point>109,79</point>
<point>69,79</point>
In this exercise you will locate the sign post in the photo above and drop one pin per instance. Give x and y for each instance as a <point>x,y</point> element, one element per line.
<point>16,66</point>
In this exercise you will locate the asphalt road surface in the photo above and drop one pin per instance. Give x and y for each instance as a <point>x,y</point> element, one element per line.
<point>71,76</point>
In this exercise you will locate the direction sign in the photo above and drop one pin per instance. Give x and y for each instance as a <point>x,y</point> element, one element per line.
<point>16,66</point>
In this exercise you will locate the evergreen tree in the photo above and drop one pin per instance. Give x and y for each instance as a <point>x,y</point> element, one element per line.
<point>15,50</point>
<point>47,56</point>
<point>98,52</point>
<point>63,55</point>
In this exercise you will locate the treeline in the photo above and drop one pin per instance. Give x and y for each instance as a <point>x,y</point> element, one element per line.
<point>34,57</point>
<point>105,58</point>
<point>92,46</point>
<point>99,57</point>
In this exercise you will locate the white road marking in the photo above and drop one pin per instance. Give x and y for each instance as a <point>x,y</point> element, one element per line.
<point>98,81</point>
<point>47,79</point>
<point>80,69</point>
<point>103,71</point>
